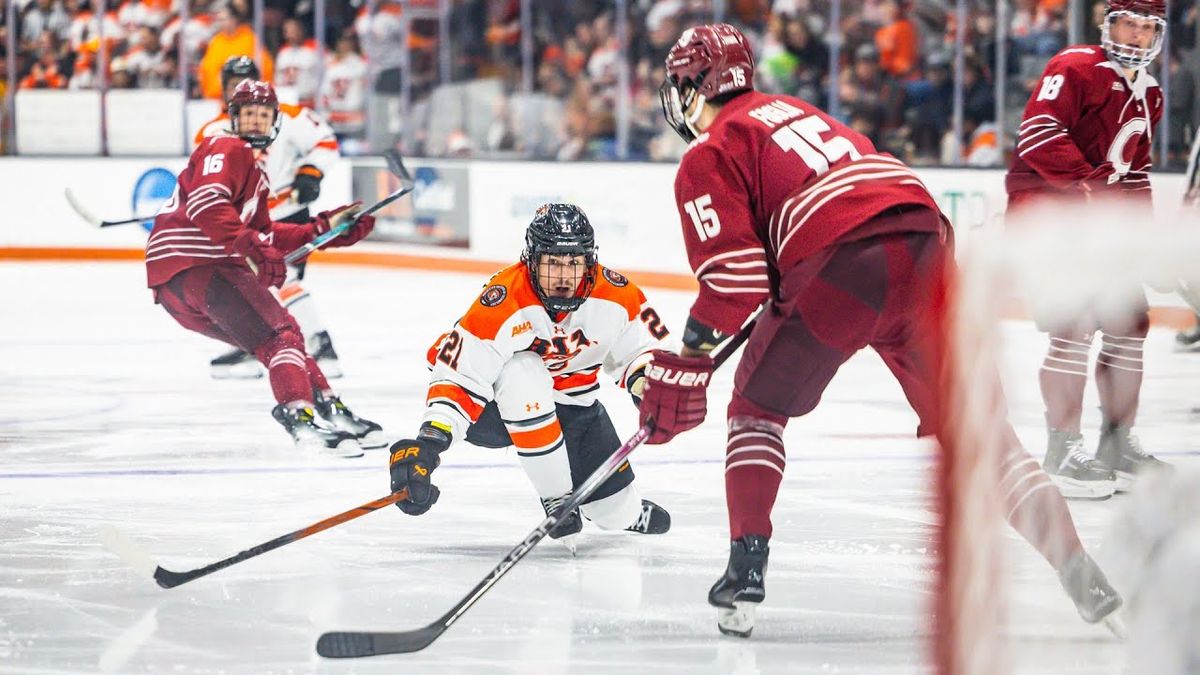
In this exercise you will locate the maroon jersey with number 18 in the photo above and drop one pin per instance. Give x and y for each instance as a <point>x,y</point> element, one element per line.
<point>222,190</point>
<point>772,181</point>
<point>1082,114</point>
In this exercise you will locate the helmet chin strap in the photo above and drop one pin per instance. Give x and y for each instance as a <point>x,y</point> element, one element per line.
<point>690,120</point>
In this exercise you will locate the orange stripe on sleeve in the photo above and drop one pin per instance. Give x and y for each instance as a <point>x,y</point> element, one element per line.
<point>456,395</point>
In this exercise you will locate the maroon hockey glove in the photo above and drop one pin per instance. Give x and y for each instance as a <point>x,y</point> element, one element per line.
<point>327,220</point>
<point>676,394</point>
<point>1103,178</point>
<point>265,260</point>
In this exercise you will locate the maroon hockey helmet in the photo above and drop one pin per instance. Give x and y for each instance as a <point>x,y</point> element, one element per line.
<point>706,62</point>
<point>254,92</point>
<point>1131,56</point>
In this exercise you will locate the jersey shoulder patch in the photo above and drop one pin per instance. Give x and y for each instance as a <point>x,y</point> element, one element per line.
<point>505,294</point>
<point>617,288</point>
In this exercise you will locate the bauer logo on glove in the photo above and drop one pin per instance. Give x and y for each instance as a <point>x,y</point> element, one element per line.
<point>673,376</point>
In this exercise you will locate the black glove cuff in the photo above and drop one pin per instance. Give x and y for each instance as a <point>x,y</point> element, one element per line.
<point>440,438</point>
<point>701,337</point>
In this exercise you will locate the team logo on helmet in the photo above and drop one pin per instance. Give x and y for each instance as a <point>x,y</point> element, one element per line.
<point>493,295</point>
<point>615,278</point>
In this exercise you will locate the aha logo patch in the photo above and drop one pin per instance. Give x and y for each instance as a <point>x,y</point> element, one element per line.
<point>615,278</point>
<point>493,295</point>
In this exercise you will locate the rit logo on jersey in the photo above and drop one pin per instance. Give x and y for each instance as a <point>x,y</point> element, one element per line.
<point>558,351</point>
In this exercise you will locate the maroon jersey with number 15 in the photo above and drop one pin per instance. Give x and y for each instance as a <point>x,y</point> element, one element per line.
<point>222,191</point>
<point>772,181</point>
<point>1083,114</point>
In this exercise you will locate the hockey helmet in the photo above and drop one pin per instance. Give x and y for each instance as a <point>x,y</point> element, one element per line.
<point>1131,56</point>
<point>560,229</point>
<point>238,68</point>
<point>706,62</point>
<point>254,92</point>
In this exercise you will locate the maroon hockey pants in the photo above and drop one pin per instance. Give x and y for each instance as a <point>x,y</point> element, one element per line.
<point>882,293</point>
<point>230,304</point>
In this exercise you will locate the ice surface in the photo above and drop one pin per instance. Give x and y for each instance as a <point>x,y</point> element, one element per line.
<point>109,418</point>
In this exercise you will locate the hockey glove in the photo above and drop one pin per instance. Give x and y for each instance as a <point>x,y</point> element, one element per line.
<point>328,220</point>
<point>265,260</point>
<point>306,186</point>
<point>676,394</point>
<point>1103,178</point>
<point>412,464</point>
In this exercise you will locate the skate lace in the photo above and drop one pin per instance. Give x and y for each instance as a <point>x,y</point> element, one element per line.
<point>553,504</point>
<point>1075,452</point>
<point>1134,447</point>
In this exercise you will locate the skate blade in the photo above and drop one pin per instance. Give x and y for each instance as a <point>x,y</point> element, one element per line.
<point>1115,623</point>
<point>1089,490</point>
<point>739,621</point>
<point>1125,481</point>
<point>373,441</point>
<point>570,542</point>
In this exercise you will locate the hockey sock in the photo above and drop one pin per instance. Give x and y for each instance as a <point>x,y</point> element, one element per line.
<point>315,376</point>
<point>284,357</point>
<point>1063,377</point>
<point>543,453</point>
<point>301,305</point>
<point>1035,508</point>
<point>615,512</point>
<point>1119,377</point>
<point>754,462</point>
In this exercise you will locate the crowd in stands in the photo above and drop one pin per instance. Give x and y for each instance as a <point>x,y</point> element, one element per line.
<point>894,76</point>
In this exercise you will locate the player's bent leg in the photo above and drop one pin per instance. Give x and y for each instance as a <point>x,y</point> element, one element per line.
<point>300,304</point>
<point>626,510</point>
<point>525,401</point>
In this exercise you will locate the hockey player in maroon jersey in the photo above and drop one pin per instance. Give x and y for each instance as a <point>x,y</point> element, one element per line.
<point>214,253</point>
<point>781,204</point>
<point>1086,136</point>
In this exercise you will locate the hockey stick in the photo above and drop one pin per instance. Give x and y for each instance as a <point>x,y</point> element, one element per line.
<point>114,541</point>
<point>406,186</point>
<point>90,217</point>
<point>343,645</point>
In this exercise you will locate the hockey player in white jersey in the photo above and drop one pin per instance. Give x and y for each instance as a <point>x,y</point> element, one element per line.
<point>522,367</point>
<point>1189,340</point>
<point>298,159</point>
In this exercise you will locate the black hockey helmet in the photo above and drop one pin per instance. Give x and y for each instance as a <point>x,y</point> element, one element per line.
<point>238,68</point>
<point>561,229</point>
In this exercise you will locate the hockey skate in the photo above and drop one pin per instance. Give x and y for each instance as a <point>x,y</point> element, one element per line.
<point>568,526</point>
<point>1093,596</point>
<point>313,434</point>
<point>320,346</point>
<point>738,592</point>
<point>1188,340</point>
<point>1077,475</point>
<point>1121,450</point>
<point>369,434</point>
<point>236,365</point>
<point>653,519</point>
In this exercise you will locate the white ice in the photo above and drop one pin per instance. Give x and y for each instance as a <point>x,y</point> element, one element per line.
<point>109,418</point>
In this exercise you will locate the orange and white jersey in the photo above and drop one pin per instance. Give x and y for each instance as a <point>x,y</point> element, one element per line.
<point>344,92</point>
<point>298,66</point>
<point>613,331</point>
<point>304,138</point>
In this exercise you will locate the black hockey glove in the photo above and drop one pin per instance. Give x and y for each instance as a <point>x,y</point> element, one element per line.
<point>307,184</point>
<point>412,463</point>
<point>636,386</point>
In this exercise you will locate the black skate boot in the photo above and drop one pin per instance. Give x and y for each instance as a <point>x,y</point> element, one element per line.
<point>1095,599</point>
<point>369,434</point>
<point>1121,450</point>
<point>320,346</point>
<point>1076,475</point>
<point>568,526</point>
<point>653,519</point>
<point>313,434</point>
<point>1188,340</point>
<point>235,365</point>
<point>743,586</point>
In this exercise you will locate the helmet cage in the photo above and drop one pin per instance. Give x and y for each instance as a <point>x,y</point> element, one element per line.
<point>1130,56</point>
<point>251,92</point>
<point>560,229</point>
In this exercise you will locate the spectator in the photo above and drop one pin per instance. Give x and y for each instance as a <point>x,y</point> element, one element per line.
<point>932,106</point>
<point>870,97</point>
<point>44,73</point>
<point>192,38</point>
<point>234,38</point>
<point>899,53</point>
<point>1037,30</point>
<point>297,66</point>
<point>812,56</point>
<point>381,38</point>
<point>344,87</point>
<point>44,16</point>
<point>146,62</point>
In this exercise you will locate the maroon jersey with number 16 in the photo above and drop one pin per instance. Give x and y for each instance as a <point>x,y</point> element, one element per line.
<point>772,181</point>
<point>222,190</point>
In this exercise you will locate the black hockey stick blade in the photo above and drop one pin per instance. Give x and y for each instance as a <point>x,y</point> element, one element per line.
<point>347,645</point>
